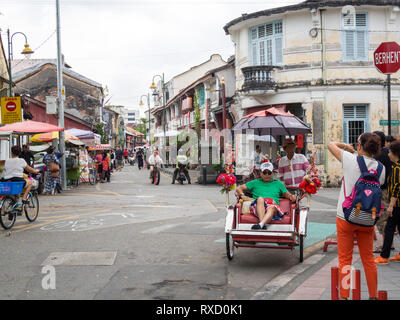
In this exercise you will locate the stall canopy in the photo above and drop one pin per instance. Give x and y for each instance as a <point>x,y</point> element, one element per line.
<point>49,136</point>
<point>40,148</point>
<point>100,147</point>
<point>30,127</point>
<point>81,134</point>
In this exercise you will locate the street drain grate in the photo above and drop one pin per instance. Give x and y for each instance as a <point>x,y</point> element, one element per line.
<point>102,258</point>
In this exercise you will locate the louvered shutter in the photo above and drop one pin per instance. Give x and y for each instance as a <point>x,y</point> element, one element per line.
<point>345,131</point>
<point>362,36</point>
<point>262,52</point>
<point>349,45</point>
<point>269,52</point>
<point>278,51</point>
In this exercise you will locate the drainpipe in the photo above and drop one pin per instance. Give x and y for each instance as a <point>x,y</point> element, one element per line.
<point>324,80</point>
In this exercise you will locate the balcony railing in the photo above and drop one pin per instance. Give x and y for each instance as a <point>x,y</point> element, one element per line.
<point>258,78</point>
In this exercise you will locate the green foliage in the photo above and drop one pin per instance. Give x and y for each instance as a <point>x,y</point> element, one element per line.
<point>100,131</point>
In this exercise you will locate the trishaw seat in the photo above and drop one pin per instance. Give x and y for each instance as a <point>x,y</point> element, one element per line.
<point>286,206</point>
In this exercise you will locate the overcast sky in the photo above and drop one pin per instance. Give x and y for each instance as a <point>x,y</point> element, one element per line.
<point>122,44</point>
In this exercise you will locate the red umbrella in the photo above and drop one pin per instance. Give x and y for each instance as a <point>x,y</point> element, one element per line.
<point>30,127</point>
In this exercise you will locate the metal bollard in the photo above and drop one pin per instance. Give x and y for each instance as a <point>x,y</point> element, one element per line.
<point>356,294</point>
<point>334,283</point>
<point>382,295</point>
<point>204,171</point>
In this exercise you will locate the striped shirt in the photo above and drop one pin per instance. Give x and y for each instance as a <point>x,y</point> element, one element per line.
<point>394,183</point>
<point>293,171</point>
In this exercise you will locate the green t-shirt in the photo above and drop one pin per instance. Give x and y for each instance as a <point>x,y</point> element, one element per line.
<point>273,189</point>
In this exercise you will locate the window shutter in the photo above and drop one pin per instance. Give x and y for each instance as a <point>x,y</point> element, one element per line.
<point>261,32</point>
<point>254,46</point>
<point>269,29</point>
<point>349,45</point>
<point>345,131</point>
<point>278,51</point>
<point>253,34</point>
<point>361,20</point>
<point>262,53</point>
<point>269,52</point>
<point>348,112</point>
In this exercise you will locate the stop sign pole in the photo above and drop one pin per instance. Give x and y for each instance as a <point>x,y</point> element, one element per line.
<point>387,61</point>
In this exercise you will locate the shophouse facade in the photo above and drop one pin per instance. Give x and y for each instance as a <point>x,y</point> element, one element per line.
<point>315,60</point>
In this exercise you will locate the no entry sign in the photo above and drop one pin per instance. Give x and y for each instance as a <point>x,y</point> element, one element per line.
<point>11,110</point>
<point>387,57</point>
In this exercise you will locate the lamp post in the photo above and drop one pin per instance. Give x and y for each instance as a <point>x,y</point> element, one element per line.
<point>27,52</point>
<point>148,104</point>
<point>60,98</point>
<point>153,87</point>
<point>223,103</point>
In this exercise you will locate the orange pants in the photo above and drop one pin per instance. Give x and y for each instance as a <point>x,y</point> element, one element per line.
<point>345,242</point>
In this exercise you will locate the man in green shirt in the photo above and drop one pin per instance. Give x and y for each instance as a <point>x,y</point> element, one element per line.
<point>266,192</point>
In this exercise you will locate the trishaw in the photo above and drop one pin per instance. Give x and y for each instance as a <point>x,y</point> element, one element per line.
<point>287,233</point>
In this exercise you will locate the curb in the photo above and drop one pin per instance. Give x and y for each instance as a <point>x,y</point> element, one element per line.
<point>311,258</point>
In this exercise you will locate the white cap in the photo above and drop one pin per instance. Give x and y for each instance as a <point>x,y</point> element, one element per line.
<point>267,166</point>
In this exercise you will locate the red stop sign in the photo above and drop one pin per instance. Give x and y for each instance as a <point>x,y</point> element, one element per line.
<point>387,57</point>
<point>11,106</point>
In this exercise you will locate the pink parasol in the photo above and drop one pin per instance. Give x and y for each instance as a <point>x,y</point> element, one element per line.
<point>30,127</point>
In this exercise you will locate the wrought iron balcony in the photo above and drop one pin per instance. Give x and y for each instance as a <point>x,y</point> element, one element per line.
<point>258,78</point>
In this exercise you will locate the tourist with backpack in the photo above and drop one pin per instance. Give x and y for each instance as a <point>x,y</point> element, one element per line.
<point>393,210</point>
<point>358,208</point>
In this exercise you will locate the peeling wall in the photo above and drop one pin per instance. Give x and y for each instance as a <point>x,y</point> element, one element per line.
<point>82,99</point>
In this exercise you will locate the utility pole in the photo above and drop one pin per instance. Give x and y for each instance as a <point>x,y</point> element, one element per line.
<point>60,65</point>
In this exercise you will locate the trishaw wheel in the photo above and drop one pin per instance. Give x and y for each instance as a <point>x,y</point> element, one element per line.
<point>229,246</point>
<point>301,247</point>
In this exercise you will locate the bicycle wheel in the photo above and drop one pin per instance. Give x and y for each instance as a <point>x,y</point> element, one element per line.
<point>32,207</point>
<point>7,216</point>
<point>157,177</point>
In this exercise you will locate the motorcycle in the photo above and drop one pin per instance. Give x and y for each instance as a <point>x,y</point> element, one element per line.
<point>181,174</point>
<point>131,161</point>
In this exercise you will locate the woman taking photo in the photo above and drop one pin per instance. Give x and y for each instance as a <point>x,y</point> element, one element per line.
<point>52,176</point>
<point>368,145</point>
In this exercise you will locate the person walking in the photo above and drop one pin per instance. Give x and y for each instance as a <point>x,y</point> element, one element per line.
<point>139,155</point>
<point>105,166</point>
<point>393,210</point>
<point>53,177</point>
<point>367,147</point>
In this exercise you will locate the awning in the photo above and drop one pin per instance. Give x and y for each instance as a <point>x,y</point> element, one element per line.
<point>76,142</point>
<point>266,138</point>
<point>172,133</point>
<point>30,127</point>
<point>100,147</point>
<point>40,148</point>
<point>81,134</point>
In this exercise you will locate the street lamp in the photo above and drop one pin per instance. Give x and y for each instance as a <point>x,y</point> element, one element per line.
<point>148,104</point>
<point>26,52</point>
<point>153,87</point>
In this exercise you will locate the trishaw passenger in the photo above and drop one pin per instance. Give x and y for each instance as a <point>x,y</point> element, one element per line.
<point>293,167</point>
<point>14,171</point>
<point>266,192</point>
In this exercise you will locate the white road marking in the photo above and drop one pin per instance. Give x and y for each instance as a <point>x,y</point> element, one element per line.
<point>161,228</point>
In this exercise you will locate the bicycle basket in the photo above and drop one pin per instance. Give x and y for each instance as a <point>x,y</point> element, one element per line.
<point>9,188</point>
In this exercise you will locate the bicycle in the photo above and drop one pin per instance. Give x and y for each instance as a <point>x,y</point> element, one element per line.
<point>8,205</point>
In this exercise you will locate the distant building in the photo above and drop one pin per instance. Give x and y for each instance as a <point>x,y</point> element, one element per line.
<point>131,116</point>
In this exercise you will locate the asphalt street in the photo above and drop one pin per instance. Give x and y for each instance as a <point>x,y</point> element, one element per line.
<point>129,239</point>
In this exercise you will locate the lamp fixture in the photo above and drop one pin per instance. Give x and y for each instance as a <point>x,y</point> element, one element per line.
<point>27,51</point>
